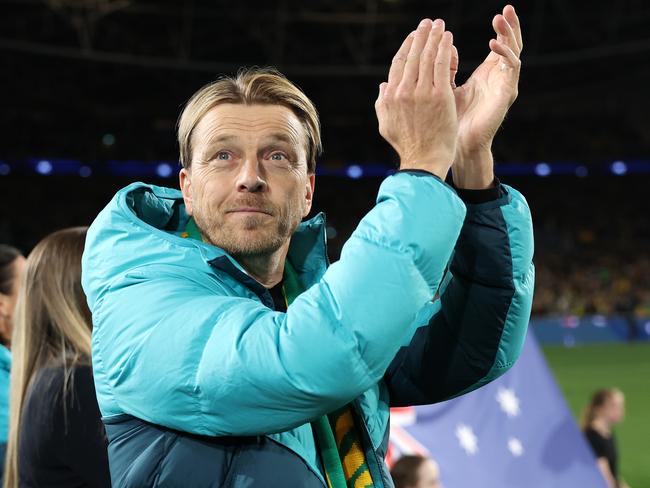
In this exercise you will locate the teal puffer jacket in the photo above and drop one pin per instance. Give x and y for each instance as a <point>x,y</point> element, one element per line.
<point>187,347</point>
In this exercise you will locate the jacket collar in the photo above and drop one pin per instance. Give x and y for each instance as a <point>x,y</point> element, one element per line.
<point>163,211</point>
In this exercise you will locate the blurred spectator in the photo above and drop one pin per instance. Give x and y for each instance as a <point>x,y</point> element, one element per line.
<point>605,410</point>
<point>56,437</point>
<point>12,265</point>
<point>416,472</point>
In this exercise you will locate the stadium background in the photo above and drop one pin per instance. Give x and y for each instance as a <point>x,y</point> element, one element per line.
<point>90,91</point>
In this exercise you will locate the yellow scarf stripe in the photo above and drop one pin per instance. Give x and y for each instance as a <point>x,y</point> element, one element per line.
<point>344,424</point>
<point>355,469</point>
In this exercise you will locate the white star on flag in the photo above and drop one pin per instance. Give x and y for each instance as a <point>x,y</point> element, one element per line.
<point>515,447</point>
<point>508,401</point>
<point>467,439</point>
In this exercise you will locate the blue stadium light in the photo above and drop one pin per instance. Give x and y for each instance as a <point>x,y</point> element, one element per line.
<point>542,169</point>
<point>354,171</point>
<point>164,170</point>
<point>5,169</point>
<point>619,168</point>
<point>44,167</point>
<point>108,140</point>
<point>582,171</point>
<point>85,171</point>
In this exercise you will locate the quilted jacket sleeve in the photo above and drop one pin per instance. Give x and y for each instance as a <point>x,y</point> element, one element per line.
<point>475,331</point>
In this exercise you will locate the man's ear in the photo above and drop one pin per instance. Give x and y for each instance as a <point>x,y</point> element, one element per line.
<point>309,193</point>
<point>185,181</point>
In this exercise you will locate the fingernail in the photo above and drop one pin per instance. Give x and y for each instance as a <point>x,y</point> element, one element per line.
<point>424,22</point>
<point>438,23</point>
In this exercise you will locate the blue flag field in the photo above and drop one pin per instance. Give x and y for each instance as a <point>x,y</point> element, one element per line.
<point>516,432</point>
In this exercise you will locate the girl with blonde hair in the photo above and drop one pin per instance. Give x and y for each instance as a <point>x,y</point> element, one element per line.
<point>56,437</point>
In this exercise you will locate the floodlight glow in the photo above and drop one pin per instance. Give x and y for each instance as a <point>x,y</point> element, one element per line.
<point>355,171</point>
<point>44,167</point>
<point>618,168</point>
<point>164,170</point>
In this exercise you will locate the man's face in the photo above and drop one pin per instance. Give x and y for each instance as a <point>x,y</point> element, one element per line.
<point>248,187</point>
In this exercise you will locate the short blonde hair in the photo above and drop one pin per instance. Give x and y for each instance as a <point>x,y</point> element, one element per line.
<point>265,86</point>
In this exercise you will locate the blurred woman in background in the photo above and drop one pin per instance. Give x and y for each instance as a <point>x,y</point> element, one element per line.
<point>12,265</point>
<point>606,409</point>
<point>61,441</point>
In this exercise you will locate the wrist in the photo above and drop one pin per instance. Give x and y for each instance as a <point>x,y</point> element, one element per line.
<point>437,164</point>
<point>473,170</point>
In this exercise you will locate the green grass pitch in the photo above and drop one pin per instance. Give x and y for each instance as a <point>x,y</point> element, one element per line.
<point>583,369</point>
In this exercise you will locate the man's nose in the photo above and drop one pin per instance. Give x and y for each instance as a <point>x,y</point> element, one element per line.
<point>251,177</point>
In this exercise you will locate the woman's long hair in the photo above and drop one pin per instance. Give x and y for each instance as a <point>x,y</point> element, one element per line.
<point>598,400</point>
<point>52,325</point>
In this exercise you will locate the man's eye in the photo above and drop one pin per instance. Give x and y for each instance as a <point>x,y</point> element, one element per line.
<point>277,157</point>
<point>223,156</point>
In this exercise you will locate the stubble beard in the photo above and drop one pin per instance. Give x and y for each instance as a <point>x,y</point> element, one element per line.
<point>249,236</point>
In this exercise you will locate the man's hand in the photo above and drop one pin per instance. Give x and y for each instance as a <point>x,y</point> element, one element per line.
<point>482,103</point>
<point>415,108</point>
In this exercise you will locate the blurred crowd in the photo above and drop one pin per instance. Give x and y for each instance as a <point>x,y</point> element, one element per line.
<point>592,249</point>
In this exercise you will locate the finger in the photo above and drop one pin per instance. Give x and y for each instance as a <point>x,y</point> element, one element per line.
<point>508,56</point>
<point>443,62</point>
<point>412,66</point>
<point>397,66</point>
<point>505,32</point>
<point>512,18</point>
<point>428,57</point>
<point>454,66</point>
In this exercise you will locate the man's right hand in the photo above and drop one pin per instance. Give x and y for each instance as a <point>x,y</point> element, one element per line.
<point>416,108</point>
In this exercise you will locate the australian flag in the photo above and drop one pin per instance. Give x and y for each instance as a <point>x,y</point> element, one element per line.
<point>516,432</point>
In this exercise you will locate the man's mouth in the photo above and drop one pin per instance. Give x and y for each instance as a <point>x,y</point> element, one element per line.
<point>249,210</point>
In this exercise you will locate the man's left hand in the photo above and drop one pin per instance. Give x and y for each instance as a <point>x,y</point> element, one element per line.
<point>482,103</point>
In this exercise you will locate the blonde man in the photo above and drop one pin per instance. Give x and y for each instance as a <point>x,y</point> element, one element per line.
<point>227,353</point>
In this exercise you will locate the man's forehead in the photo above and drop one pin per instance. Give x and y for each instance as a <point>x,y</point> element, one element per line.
<point>234,121</point>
